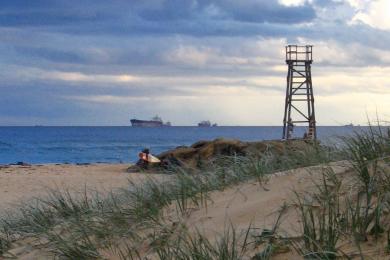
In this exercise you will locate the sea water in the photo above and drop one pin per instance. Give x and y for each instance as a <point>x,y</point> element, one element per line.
<point>122,144</point>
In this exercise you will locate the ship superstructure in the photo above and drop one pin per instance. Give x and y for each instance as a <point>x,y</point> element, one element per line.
<point>206,123</point>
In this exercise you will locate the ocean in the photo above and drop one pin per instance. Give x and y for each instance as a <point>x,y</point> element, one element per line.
<point>122,144</point>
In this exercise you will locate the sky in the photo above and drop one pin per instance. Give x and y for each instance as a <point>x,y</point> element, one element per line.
<point>98,62</point>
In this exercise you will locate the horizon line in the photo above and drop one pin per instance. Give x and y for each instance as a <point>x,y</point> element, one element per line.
<point>37,126</point>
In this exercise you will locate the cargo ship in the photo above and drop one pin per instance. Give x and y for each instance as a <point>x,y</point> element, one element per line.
<point>206,124</point>
<point>154,122</point>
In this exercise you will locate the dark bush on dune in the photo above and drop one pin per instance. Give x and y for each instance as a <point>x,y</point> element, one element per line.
<point>202,153</point>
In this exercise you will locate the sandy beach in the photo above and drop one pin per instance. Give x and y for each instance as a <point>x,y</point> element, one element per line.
<point>241,205</point>
<point>22,183</point>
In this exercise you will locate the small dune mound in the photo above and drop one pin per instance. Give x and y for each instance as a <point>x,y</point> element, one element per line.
<point>201,153</point>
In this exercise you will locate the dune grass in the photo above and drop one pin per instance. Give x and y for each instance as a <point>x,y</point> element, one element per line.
<point>82,226</point>
<point>196,246</point>
<point>369,153</point>
<point>360,212</point>
<point>329,215</point>
<point>321,218</point>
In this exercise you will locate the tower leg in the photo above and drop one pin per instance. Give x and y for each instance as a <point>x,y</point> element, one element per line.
<point>299,88</point>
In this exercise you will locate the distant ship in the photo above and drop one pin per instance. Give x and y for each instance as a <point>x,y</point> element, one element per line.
<point>349,125</point>
<point>155,122</point>
<point>206,124</point>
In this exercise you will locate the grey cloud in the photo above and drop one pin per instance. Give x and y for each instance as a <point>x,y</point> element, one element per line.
<point>55,55</point>
<point>141,38</point>
<point>140,17</point>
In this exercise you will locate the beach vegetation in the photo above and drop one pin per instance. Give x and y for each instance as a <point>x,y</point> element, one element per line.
<point>132,222</point>
<point>357,210</point>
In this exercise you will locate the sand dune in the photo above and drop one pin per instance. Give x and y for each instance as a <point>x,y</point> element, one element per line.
<point>257,205</point>
<point>240,205</point>
<point>251,203</point>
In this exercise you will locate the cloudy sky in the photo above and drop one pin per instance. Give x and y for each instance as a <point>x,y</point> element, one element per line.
<point>99,62</point>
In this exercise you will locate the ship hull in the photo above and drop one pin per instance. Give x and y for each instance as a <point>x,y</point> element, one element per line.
<point>146,123</point>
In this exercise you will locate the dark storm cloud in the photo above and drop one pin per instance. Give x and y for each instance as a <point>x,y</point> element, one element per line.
<point>46,18</point>
<point>143,17</point>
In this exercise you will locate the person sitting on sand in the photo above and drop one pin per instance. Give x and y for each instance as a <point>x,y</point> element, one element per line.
<point>145,159</point>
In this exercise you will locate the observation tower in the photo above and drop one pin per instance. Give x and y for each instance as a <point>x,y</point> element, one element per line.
<point>299,104</point>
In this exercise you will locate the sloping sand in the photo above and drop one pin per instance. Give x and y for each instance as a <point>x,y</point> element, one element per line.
<point>252,203</point>
<point>21,183</point>
<point>241,205</point>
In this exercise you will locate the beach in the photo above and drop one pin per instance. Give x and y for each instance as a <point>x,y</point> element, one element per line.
<point>257,198</point>
<point>241,205</point>
<point>22,183</point>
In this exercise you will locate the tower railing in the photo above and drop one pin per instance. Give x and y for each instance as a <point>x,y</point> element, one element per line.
<point>299,53</point>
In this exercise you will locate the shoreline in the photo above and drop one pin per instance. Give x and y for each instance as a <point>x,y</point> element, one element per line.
<point>26,164</point>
